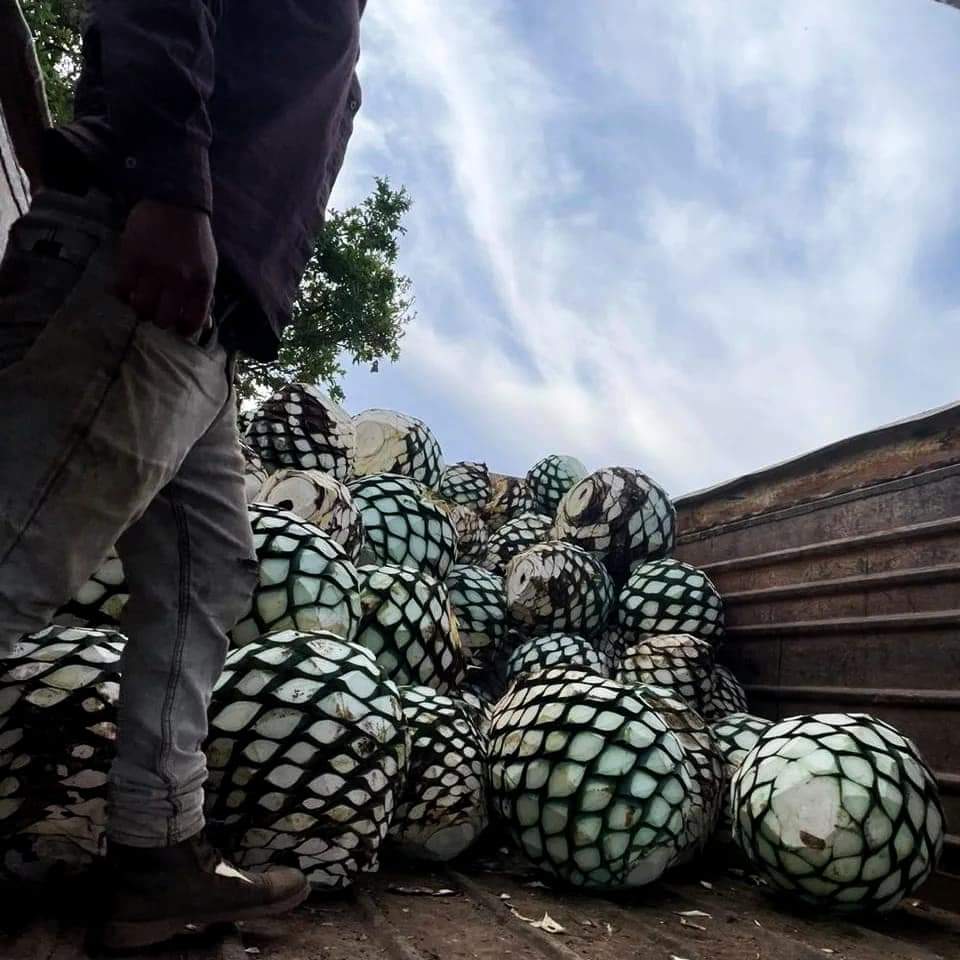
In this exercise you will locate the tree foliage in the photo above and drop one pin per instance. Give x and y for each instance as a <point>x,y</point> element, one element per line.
<point>353,302</point>
<point>57,27</point>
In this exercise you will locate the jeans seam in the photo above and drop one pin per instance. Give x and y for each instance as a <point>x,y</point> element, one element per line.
<point>173,680</point>
<point>79,433</point>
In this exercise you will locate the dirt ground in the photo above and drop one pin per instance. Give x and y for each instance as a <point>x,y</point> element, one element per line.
<point>496,909</point>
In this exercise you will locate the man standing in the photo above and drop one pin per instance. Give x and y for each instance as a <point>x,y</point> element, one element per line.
<point>176,219</point>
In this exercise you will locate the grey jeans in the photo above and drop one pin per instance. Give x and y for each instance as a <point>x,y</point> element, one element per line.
<point>114,431</point>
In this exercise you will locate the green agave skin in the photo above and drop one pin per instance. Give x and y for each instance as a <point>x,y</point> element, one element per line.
<point>307,755</point>
<point>480,607</point>
<point>591,781</point>
<point>58,701</point>
<point>556,650</point>
<point>620,516</point>
<point>614,641</point>
<point>509,498</point>
<point>471,530</point>
<point>391,442</point>
<point>475,695</point>
<point>725,697</point>
<point>410,628</point>
<point>444,806</point>
<point>305,580</point>
<point>100,601</point>
<point>703,762</point>
<point>677,661</point>
<point>550,478</point>
<point>555,587</point>
<point>735,736</point>
<point>670,596</point>
<point>514,537</point>
<point>300,426</point>
<point>486,674</point>
<point>403,525</point>
<point>254,472</point>
<point>839,810</point>
<point>466,483</point>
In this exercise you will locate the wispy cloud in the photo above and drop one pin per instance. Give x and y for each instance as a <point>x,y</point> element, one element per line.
<point>692,237</point>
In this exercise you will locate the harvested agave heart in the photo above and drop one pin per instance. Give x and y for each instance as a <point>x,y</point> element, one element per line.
<point>58,711</point>
<point>320,499</point>
<point>307,755</point>
<point>479,604</point>
<point>444,806</point>
<point>391,442</point>
<point>555,587</point>
<point>305,581</point>
<point>100,601</point>
<point>613,642</point>
<point>590,779</point>
<point>410,628</point>
<point>726,695</point>
<point>550,478</point>
<point>467,484</point>
<point>556,650</point>
<point>254,472</point>
<point>678,662</point>
<point>404,525</point>
<point>472,532</point>
<point>839,810</point>
<point>735,736</point>
<point>509,498</point>
<point>670,596</point>
<point>620,516</point>
<point>475,694</point>
<point>704,765</point>
<point>301,427</point>
<point>513,538</point>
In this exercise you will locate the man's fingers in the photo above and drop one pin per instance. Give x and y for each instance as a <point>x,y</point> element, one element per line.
<point>167,266</point>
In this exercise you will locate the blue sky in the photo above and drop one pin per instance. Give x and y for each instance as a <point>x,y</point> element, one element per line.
<point>695,237</point>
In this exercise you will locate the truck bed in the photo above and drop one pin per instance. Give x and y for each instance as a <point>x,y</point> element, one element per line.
<point>481,910</point>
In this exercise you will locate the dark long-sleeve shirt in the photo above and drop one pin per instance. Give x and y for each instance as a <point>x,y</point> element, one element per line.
<point>240,108</point>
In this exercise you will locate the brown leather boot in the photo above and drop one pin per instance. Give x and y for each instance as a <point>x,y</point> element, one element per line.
<point>154,892</point>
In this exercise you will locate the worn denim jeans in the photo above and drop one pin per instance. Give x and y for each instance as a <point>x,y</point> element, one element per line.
<point>114,431</point>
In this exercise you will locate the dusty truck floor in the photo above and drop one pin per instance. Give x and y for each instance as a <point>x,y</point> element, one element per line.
<point>499,911</point>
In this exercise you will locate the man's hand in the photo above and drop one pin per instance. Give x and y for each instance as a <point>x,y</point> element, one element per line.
<point>168,266</point>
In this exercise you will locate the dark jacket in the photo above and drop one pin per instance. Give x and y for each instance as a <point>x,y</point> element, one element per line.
<point>241,108</point>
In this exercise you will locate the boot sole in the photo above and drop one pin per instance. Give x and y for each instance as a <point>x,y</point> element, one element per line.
<point>120,935</point>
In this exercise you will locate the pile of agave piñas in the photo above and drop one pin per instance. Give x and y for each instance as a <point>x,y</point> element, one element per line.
<point>431,647</point>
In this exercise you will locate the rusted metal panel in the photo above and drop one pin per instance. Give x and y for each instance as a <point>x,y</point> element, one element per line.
<point>918,590</point>
<point>935,543</point>
<point>897,450</point>
<point>900,659</point>
<point>841,572</point>
<point>925,497</point>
